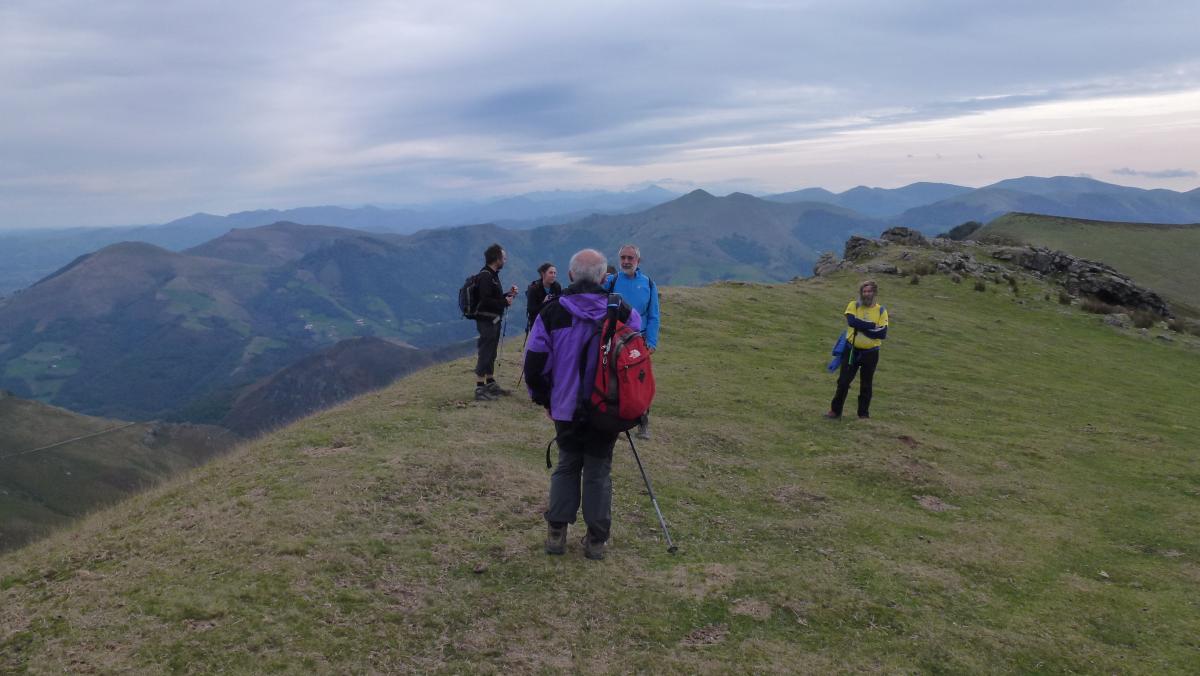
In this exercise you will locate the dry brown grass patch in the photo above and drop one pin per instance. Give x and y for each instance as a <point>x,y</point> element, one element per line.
<point>754,608</point>
<point>699,582</point>
<point>933,503</point>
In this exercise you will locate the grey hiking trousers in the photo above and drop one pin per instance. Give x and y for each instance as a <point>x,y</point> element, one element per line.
<point>584,468</point>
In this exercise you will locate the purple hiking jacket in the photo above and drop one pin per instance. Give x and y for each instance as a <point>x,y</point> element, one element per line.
<point>553,352</point>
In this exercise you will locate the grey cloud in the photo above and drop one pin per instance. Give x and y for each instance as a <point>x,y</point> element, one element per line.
<point>1162,173</point>
<point>219,91</point>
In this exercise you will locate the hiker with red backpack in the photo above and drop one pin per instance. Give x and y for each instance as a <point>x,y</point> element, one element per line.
<point>589,366</point>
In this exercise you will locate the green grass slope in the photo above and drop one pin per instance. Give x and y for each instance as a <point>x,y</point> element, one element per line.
<point>402,531</point>
<point>44,484</point>
<point>1161,257</point>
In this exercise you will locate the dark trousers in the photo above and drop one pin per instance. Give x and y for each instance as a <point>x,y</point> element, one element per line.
<point>489,341</point>
<point>866,362</point>
<point>584,457</point>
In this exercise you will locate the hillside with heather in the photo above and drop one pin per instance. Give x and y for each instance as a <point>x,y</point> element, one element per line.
<point>1022,499</point>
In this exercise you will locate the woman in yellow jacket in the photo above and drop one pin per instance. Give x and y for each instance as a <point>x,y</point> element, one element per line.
<point>868,323</point>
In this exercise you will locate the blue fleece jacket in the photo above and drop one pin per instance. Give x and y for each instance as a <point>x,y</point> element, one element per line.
<point>642,295</point>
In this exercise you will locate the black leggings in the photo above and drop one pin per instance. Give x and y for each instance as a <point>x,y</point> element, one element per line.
<point>866,361</point>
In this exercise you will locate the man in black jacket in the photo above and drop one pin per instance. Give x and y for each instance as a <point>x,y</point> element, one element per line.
<point>540,289</point>
<point>493,301</point>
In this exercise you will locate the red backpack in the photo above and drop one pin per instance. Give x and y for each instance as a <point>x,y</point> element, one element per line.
<point>624,385</point>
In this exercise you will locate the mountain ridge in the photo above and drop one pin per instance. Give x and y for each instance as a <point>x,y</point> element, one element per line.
<point>963,528</point>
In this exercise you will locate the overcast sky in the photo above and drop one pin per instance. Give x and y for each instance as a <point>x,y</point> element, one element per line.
<point>120,112</point>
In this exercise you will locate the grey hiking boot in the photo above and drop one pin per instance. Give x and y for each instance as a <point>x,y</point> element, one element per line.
<point>644,429</point>
<point>481,393</point>
<point>556,539</point>
<point>592,549</point>
<point>495,390</point>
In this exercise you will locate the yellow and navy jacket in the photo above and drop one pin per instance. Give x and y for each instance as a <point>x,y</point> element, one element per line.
<point>868,325</point>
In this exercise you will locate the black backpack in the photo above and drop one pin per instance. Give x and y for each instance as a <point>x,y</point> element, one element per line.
<point>468,297</point>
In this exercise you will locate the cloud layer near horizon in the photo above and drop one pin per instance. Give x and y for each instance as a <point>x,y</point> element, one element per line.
<point>136,112</point>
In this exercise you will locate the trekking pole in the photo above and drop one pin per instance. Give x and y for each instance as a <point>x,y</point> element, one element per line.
<point>671,548</point>
<point>500,342</point>
<point>521,366</point>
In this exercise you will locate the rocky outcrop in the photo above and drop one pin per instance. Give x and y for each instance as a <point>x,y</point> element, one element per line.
<point>1085,277</point>
<point>858,248</point>
<point>904,236</point>
<point>827,264</point>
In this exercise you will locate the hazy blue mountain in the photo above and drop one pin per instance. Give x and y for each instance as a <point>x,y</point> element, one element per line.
<point>1070,196</point>
<point>805,195</point>
<point>877,202</point>
<point>27,256</point>
<point>1038,185</point>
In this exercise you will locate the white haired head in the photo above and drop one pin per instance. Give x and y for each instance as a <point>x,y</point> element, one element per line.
<point>588,265</point>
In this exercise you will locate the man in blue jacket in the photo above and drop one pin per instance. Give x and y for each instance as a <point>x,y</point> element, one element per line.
<point>560,365</point>
<point>642,295</point>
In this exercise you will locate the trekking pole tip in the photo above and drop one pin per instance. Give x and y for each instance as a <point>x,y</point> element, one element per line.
<point>672,549</point>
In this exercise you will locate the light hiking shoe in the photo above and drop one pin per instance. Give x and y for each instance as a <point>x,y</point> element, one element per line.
<point>495,390</point>
<point>556,539</point>
<point>481,393</point>
<point>643,429</point>
<point>592,549</point>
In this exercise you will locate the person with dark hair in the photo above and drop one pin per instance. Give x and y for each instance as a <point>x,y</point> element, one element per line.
<point>493,302</point>
<point>868,325</point>
<point>560,365</point>
<point>540,290</point>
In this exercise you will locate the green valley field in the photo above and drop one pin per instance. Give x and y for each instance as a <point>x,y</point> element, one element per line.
<point>1024,500</point>
<point>1161,257</point>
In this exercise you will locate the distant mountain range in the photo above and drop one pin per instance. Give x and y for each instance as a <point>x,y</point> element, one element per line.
<point>877,202</point>
<point>1073,197</point>
<point>139,332</point>
<point>26,256</point>
<point>29,255</point>
<point>136,331</point>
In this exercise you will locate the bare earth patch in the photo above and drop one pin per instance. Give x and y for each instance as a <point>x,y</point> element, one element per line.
<point>712,578</point>
<point>705,636</point>
<point>792,494</point>
<point>752,608</point>
<point>933,503</point>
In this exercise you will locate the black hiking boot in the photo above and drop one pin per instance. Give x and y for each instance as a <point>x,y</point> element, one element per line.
<point>494,389</point>
<point>481,393</point>
<point>556,539</point>
<point>592,548</point>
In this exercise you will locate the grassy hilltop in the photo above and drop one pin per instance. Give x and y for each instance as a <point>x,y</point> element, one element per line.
<point>1024,500</point>
<point>1161,257</point>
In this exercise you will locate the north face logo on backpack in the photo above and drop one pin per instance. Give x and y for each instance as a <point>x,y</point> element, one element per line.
<point>624,383</point>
